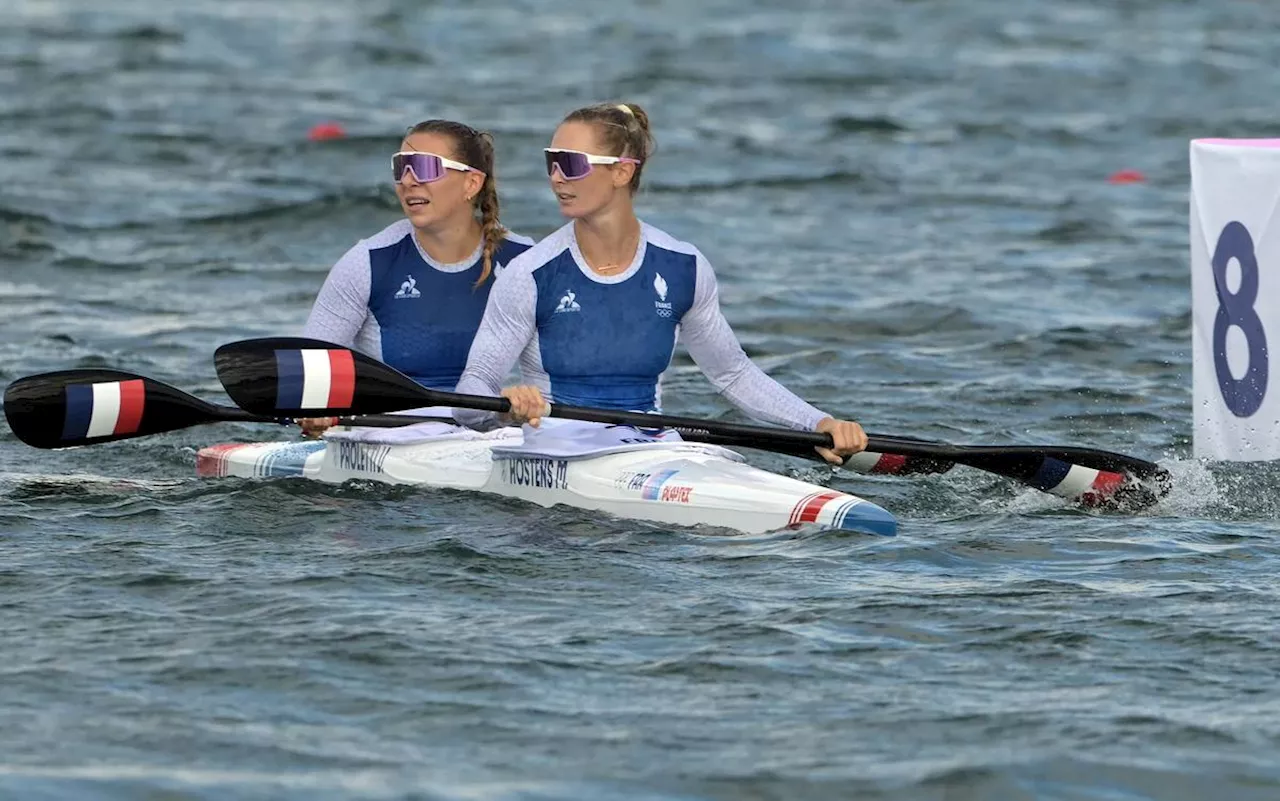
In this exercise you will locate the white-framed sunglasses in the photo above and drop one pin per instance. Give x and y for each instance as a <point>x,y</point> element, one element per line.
<point>426,167</point>
<point>575,165</point>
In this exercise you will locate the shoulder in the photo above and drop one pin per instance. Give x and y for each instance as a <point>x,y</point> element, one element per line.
<point>544,252</point>
<point>393,234</point>
<point>679,257</point>
<point>658,238</point>
<point>358,262</point>
<point>510,246</point>
<point>511,237</point>
<point>357,256</point>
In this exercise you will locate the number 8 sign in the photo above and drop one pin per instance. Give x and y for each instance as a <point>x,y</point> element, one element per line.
<point>1243,396</point>
<point>1235,298</point>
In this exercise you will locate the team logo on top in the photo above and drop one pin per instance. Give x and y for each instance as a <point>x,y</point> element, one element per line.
<point>568,303</point>
<point>409,289</point>
<point>660,286</point>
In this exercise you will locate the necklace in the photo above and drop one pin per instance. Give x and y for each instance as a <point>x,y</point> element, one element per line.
<point>611,267</point>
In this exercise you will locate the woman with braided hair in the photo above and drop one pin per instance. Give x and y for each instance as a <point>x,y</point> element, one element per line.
<point>412,295</point>
<point>593,311</point>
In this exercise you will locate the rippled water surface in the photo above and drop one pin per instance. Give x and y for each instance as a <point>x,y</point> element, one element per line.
<point>908,207</point>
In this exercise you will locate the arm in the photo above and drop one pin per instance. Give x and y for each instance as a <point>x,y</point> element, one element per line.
<point>509,324</point>
<point>715,349</point>
<point>342,306</point>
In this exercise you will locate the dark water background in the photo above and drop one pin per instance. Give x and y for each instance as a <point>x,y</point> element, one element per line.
<point>908,207</point>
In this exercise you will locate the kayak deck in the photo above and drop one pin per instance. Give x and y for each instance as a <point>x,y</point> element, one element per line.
<point>682,484</point>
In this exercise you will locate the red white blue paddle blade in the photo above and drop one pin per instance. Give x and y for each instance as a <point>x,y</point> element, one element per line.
<point>1088,476</point>
<point>86,407</point>
<point>1128,487</point>
<point>299,377</point>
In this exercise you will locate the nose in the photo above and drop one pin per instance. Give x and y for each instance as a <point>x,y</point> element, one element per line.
<point>557,175</point>
<point>411,175</point>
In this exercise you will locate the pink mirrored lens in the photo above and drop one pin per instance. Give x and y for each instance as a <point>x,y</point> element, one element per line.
<point>426,168</point>
<point>573,165</point>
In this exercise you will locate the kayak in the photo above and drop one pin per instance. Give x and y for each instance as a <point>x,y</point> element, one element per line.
<point>681,483</point>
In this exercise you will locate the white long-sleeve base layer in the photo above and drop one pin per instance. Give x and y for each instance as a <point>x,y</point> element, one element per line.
<point>605,341</point>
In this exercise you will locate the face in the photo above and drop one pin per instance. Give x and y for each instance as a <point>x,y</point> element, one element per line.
<point>439,202</point>
<point>601,187</point>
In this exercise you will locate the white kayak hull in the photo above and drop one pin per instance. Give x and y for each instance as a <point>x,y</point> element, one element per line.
<point>677,483</point>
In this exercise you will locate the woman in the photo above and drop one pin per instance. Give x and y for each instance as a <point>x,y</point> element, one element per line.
<point>593,311</point>
<point>413,294</point>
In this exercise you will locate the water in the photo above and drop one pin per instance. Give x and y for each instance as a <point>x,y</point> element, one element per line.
<point>908,208</point>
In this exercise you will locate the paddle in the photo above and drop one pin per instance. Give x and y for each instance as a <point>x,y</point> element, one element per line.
<point>48,411</point>
<point>85,407</point>
<point>294,376</point>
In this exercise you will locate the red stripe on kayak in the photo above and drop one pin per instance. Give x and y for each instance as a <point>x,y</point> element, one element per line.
<point>795,511</point>
<point>809,514</point>
<point>133,397</point>
<point>342,379</point>
<point>211,462</point>
<point>889,463</point>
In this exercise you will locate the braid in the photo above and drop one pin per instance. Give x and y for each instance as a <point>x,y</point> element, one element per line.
<point>490,228</point>
<point>475,148</point>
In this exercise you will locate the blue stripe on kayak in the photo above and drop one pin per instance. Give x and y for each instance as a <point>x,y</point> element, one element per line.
<point>287,460</point>
<point>842,512</point>
<point>79,411</point>
<point>1051,473</point>
<point>268,463</point>
<point>869,518</point>
<point>289,379</point>
<point>262,464</point>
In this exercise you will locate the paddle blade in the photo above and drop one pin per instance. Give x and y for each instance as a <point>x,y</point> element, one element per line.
<point>299,377</point>
<point>1139,492</point>
<point>1125,490</point>
<point>1088,476</point>
<point>1130,486</point>
<point>85,407</point>
<point>1094,478</point>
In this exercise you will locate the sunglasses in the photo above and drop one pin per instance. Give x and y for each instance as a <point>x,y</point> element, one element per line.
<point>426,167</point>
<point>575,165</point>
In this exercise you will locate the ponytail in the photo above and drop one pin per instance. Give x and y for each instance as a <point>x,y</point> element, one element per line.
<point>624,131</point>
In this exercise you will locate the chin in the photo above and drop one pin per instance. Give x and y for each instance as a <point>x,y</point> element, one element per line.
<point>420,220</point>
<point>576,211</point>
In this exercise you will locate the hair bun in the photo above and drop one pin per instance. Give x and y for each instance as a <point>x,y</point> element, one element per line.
<point>627,135</point>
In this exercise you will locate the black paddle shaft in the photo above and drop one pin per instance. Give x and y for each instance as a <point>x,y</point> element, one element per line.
<point>263,376</point>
